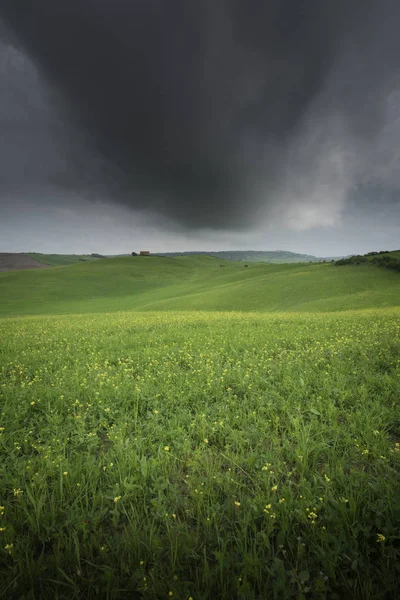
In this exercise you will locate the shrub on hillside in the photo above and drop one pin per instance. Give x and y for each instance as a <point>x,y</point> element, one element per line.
<point>352,260</point>
<point>387,261</point>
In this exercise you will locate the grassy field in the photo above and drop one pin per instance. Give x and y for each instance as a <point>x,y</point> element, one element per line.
<point>200,283</point>
<point>246,446</point>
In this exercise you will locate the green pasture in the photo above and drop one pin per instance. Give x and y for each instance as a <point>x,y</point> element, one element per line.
<point>174,428</point>
<point>195,283</point>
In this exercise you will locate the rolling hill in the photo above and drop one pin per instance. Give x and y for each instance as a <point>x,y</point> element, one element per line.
<point>36,260</point>
<point>385,259</point>
<point>58,260</point>
<point>269,256</point>
<point>195,282</point>
<point>11,261</point>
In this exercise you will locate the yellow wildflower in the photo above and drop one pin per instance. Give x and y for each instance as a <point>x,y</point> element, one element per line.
<point>380,538</point>
<point>117,498</point>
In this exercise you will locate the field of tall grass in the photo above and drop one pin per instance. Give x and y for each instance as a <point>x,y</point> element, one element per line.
<point>203,455</point>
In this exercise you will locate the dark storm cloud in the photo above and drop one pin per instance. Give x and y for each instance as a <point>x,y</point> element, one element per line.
<point>200,110</point>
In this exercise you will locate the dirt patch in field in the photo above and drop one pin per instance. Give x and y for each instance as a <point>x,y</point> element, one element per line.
<point>17,262</point>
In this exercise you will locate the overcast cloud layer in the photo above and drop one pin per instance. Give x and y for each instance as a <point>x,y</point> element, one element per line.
<point>268,120</point>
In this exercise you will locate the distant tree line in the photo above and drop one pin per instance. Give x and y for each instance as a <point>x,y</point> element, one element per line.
<point>380,259</point>
<point>352,260</point>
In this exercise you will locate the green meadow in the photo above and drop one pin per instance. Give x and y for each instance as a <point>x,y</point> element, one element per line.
<point>196,283</point>
<point>194,428</point>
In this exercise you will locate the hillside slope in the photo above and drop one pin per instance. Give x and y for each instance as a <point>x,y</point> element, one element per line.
<point>12,261</point>
<point>58,260</point>
<point>385,259</point>
<point>195,283</point>
<point>268,256</point>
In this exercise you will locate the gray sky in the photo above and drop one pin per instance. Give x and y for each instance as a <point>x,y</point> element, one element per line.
<point>229,125</point>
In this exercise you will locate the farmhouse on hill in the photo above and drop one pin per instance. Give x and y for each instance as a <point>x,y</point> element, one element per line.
<point>144,252</point>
